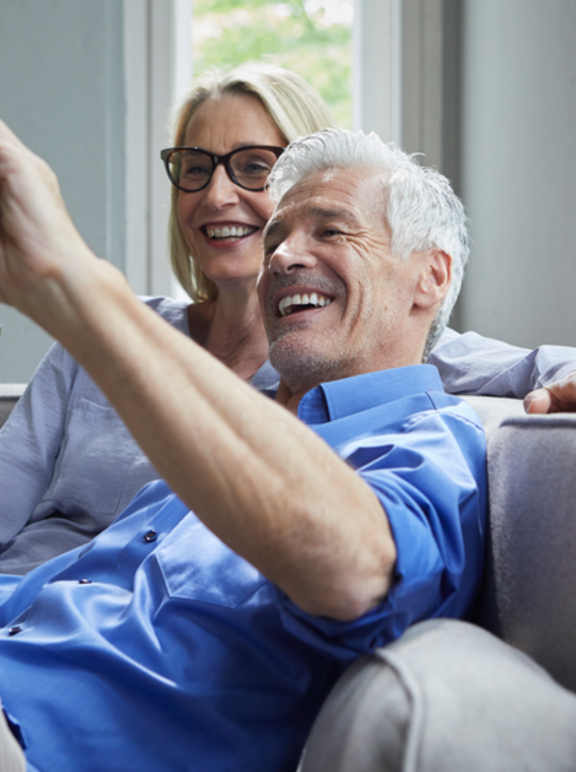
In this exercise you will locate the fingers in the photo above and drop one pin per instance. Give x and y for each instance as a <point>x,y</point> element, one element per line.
<point>539,401</point>
<point>559,397</point>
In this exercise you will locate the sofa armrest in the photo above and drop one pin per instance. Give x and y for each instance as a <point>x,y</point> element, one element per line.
<point>446,696</point>
<point>532,557</point>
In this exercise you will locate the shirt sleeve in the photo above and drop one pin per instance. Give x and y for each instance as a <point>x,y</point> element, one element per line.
<point>472,364</point>
<point>30,440</point>
<point>431,481</point>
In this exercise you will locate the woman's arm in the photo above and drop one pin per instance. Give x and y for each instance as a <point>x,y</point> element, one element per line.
<point>472,364</point>
<point>30,440</point>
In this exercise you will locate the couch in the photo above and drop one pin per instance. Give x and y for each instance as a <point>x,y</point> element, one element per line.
<point>495,692</point>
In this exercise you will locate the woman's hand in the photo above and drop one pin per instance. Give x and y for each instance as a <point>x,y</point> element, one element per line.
<point>559,397</point>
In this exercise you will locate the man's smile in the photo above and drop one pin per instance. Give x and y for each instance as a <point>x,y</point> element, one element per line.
<point>302,302</point>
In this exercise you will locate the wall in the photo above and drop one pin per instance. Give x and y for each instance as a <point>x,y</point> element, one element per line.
<point>518,168</point>
<point>62,92</point>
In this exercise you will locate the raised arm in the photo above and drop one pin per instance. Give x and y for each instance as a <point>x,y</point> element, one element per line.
<point>262,481</point>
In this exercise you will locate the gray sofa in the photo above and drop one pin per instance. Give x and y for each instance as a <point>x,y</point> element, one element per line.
<point>496,692</point>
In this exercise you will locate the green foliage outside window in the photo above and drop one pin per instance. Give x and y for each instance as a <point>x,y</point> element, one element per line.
<point>310,37</point>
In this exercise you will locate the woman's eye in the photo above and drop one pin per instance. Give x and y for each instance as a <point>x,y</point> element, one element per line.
<point>196,170</point>
<point>256,167</point>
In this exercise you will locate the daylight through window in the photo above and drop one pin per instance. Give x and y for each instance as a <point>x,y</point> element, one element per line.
<point>311,37</point>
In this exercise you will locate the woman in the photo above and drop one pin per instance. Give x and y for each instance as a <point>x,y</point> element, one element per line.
<point>68,465</point>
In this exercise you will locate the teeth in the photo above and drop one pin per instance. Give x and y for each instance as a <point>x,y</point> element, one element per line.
<point>285,306</point>
<point>232,231</point>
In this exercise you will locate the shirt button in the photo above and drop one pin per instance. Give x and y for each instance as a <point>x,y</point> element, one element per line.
<point>15,630</point>
<point>85,581</point>
<point>150,535</point>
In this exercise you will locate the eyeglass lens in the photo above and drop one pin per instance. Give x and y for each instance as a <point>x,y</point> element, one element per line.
<point>192,169</point>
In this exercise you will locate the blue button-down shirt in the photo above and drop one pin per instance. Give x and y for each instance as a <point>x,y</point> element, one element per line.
<point>157,647</point>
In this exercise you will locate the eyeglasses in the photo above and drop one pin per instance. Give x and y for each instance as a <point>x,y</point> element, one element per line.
<point>191,168</point>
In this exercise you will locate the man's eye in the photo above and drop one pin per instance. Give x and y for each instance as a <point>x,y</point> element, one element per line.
<point>269,249</point>
<point>327,232</point>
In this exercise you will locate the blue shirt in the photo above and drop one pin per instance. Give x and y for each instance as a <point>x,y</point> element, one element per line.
<point>157,647</point>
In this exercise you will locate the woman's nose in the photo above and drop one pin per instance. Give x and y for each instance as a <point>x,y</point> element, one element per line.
<point>220,191</point>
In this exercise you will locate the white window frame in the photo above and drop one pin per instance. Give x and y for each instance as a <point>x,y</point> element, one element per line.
<point>397,76</point>
<point>158,70</point>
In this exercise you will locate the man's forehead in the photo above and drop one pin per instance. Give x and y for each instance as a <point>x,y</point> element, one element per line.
<point>333,192</point>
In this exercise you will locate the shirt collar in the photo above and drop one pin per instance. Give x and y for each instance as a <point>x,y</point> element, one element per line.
<point>338,399</point>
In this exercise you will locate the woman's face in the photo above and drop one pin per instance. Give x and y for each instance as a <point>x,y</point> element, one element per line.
<point>220,126</point>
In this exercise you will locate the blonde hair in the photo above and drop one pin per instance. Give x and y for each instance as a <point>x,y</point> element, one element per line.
<point>294,106</point>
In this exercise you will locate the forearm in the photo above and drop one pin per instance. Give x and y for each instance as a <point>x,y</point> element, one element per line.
<point>261,480</point>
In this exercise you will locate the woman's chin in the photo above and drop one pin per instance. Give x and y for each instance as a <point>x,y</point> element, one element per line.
<point>233,280</point>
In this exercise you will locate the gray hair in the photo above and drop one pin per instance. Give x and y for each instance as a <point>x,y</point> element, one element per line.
<point>422,210</point>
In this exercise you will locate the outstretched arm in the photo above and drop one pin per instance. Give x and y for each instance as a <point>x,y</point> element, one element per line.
<point>262,481</point>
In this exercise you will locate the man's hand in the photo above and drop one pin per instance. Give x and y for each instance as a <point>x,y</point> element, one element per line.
<point>559,397</point>
<point>37,236</point>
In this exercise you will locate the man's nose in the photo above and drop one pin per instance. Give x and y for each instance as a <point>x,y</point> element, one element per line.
<point>221,191</point>
<point>292,254</point>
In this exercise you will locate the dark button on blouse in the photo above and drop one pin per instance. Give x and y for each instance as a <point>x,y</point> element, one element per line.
<point>15,630</point>
<point>150,535</point>
<point>85,581</point>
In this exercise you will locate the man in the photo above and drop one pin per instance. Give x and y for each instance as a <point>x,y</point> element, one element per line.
<point>208,639</point>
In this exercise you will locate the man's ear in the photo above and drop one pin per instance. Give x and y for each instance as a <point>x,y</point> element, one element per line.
<point>434,280</point>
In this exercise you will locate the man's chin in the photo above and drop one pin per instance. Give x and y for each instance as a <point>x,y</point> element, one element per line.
<point>301,364</point>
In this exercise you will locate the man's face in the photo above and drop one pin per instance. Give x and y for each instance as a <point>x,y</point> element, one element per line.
<point>335,301</point>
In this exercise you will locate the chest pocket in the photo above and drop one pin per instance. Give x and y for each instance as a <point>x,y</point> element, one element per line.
<point>96,454</point>
<point>197,566</point>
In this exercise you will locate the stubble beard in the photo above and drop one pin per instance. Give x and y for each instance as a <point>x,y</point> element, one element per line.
<point>302,365</point>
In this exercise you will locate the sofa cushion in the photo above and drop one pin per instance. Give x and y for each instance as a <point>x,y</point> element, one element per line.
<point>492,411</point>
<point>446,696</point>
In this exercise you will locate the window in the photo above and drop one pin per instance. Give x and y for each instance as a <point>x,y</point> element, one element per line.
<point>310,37</point>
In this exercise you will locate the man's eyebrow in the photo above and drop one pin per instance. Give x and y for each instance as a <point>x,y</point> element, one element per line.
<point>276,226</point>
<point>333,214</point>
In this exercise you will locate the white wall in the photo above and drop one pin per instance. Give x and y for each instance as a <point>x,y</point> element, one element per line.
<point>519,169</point>
<point>61,92</point>
<point>88,85</point>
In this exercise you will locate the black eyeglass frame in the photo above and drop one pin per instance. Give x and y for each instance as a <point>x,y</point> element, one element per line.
<point>217,159</point>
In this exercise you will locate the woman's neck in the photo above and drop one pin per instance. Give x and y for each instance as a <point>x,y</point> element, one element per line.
<point>232,330</point>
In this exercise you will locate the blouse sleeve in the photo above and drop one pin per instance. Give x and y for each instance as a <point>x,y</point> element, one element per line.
<point>472,364</point>
<point>30,440</point>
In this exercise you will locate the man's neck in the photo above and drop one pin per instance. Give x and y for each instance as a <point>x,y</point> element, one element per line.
<point>288,398</point>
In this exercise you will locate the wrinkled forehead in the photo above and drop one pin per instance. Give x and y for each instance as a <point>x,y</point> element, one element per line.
<point>356,194</point>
